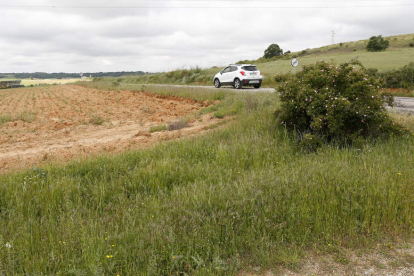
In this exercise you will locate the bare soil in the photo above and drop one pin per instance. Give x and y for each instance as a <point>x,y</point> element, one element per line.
<point>59,123</point>
<point>385,260</point>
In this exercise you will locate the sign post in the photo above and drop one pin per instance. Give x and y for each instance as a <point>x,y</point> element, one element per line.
<point>295,62</point>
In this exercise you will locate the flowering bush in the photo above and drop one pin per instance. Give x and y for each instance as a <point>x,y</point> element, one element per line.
<point>328,103</point>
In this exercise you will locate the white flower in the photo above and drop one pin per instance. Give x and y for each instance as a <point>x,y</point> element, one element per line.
<point>8,245</point>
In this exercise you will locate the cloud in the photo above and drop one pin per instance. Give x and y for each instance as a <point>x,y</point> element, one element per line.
<point>92,35</point>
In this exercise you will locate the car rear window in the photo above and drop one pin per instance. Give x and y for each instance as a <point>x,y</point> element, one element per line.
<point>249,68</point>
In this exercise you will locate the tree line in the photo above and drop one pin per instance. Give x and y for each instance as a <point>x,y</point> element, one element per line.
<point>43,75</point>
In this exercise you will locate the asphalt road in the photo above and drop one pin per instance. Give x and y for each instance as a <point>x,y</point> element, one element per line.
<point>402,104</point>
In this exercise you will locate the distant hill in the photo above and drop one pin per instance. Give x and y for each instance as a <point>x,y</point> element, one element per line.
<point>42,75</point>
<point>399,54</point>
<point>396,42</point>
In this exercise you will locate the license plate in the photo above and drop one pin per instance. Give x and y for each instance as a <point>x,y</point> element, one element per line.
<point>254,82</point>
<point>253,74</point>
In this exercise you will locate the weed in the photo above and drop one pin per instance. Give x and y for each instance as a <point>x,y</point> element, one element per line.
<point>158,128</point>
<point>27,117</point>
<point>96,120</point>
<point>5,118</point>
<point>148,110</point>
<point>182,123</point>
<point>251,103</point>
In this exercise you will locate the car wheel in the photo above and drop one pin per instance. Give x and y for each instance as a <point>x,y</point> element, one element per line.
<point>217,83</point>
<point>257,85</point>
<point>237,84</point>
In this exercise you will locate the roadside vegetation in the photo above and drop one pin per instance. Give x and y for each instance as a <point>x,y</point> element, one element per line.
<point>194,93</point>
<point>334,104</point>
<point>399,82</point>
<point>388,62</point>
<point>243,197</point>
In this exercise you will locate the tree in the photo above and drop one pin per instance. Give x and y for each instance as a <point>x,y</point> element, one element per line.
<point>377,43</point>
<point>272,51</point>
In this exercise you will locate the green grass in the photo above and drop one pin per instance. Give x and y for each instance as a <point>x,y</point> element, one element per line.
<point>24,116</point>
<point>398,55</point>
<point>239,197</point>
<point>195,93</point>
<point>158,128</point>
<point>383,61</point>
<point>5,118</point>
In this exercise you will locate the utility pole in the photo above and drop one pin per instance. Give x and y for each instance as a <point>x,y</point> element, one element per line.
<point>333,37</point>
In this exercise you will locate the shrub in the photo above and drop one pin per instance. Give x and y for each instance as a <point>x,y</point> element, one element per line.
<point>411,44</point>
<point>377,43</point>
<point>373,72</point>
<point>401,78</point>
<point>324,103</point>
<point>116,82</point>
<point>282,77</point>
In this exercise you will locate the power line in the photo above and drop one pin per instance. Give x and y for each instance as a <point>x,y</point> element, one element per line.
<point>205,7</point>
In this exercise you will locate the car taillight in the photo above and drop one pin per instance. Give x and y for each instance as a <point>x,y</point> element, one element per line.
<point>243,73</point>
<point>260,73</point>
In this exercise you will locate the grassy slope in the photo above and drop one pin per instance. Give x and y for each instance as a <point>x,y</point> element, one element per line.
<point>384,61</point>
<point>398,55</point>
<point>237,198</point>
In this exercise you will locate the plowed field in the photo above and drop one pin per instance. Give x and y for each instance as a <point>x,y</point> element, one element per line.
<point>59,123</point>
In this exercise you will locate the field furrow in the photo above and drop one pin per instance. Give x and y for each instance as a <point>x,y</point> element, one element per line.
<point>63,122</point>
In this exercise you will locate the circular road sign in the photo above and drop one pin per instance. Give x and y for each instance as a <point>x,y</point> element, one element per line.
<point>295,62</point>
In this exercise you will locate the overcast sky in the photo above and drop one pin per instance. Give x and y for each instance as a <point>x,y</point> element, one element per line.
<point>126,35</point>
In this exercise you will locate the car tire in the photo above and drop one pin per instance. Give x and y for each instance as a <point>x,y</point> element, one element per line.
<point>217,83</point>
<point>257,85</point>
<point>238,84</point>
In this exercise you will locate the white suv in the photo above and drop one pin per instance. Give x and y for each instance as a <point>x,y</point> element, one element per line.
<point>239,75</point>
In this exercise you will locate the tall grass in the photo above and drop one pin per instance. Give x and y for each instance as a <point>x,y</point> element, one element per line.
<point>194,93</point>
<point>241,196</point>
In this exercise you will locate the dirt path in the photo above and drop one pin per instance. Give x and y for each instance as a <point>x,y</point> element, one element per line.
<point>394,259</point>
<point>59,123</point>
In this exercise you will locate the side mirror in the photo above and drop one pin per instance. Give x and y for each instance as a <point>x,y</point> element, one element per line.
<point>221,72</point>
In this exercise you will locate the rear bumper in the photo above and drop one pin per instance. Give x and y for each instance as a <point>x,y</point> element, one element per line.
<point>252,82</point>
